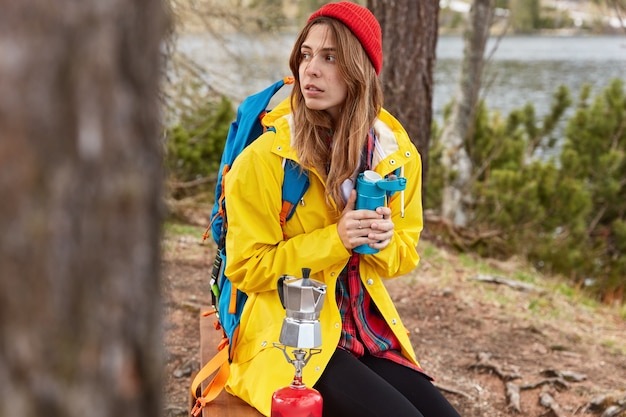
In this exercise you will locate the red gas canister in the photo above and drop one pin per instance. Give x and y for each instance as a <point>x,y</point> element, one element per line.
<point>303,300</point>
<point>296,400</point>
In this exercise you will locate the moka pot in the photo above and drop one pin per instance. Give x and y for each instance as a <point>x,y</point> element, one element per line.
<point>302,299</point>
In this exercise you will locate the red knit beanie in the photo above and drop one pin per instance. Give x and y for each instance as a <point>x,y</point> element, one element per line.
<point>363,25</point>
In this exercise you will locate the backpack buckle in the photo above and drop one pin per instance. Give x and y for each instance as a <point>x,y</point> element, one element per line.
<point>197,408</point>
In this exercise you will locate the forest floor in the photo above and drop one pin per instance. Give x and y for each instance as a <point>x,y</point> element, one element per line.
<point>499,338</point>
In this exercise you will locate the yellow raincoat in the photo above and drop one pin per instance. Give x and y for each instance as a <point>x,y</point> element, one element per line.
<point>258,254</point>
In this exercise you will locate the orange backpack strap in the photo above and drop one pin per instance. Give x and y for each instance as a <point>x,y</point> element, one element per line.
<point>218,363</point>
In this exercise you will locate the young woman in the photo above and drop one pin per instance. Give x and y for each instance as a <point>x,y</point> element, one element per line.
<point>334,126</point>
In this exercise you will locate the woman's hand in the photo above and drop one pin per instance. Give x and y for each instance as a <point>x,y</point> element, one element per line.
<point>365,227</point>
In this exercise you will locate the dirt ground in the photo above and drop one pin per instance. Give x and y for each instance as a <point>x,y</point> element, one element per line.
<point>481,341</point>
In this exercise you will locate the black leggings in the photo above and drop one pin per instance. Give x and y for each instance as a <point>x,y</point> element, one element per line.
<point>374,387</point>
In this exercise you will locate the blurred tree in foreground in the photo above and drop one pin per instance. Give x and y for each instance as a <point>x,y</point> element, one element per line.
<point>81,177</point>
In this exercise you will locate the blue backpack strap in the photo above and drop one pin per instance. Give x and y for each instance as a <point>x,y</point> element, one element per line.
<point>247,129</point>
<point>227,299</point>
<point>244,130</point>
<point>295,184</point>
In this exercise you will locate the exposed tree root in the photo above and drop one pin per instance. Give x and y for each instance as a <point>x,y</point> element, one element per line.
<point>484,364</point>
<point>548,401</point>
<point>453,391</point>
<point>556,379</point>
<point>518,285</point>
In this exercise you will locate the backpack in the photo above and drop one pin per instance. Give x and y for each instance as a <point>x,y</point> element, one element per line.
<point>228,301</point>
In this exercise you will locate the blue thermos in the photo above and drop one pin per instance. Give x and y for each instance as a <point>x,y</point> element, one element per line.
<point>371,190</point>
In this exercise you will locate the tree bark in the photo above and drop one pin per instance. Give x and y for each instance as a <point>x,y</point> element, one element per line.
<point>456,162</point>
<point>410,30</point>
<point>80,180</point>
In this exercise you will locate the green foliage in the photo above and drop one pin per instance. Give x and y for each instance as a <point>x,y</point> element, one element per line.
<point>269,15</point>
<point>555,18</point>
<point>560,202</point>
<point>503,4</point>
<point>436,173</point>
<point>525,15</point>
<point>195,143</point>
<point>309,6</point>
<point>450,19</point>
<point>595,155</point>
<point>181,229</point>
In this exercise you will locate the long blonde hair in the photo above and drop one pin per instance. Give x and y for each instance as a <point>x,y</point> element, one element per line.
<point>363,102</point>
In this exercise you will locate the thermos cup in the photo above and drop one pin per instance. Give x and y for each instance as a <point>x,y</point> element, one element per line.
<point>371,190</point>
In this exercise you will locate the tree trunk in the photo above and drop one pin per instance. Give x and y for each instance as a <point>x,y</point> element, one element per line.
<point>80,180</point>
<point>410,31</point>
<point>455,160</point>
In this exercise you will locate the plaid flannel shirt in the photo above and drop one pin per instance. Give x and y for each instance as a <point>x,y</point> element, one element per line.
<point>364,329</point>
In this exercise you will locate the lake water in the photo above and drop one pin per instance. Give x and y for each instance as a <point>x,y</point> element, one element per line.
<point>522,69</point>
<point>527,69</point>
